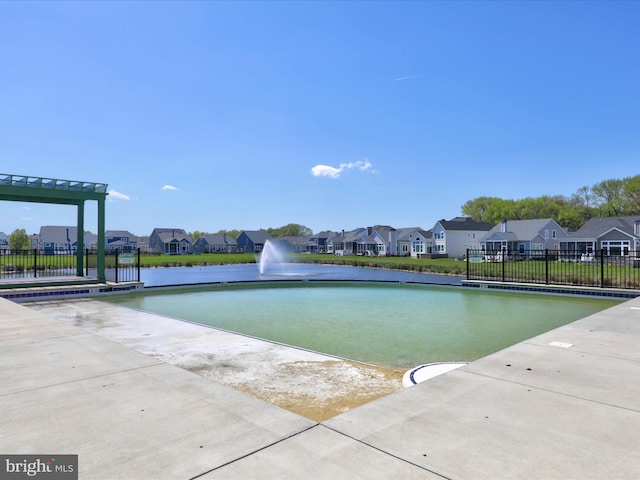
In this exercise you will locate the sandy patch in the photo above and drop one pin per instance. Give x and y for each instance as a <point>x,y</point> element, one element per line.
<point>307,383</point>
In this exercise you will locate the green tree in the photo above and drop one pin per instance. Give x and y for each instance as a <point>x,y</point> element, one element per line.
<point>19,240</point>
<point>608,197</point>
<point>290,230</point>
<point>197,234</point>
<point>631,195</point>
<point>481,209</point>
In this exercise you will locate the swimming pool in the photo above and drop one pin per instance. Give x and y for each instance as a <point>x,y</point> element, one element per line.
<point>398,326</point>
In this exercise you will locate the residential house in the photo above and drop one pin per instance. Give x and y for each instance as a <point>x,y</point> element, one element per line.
<point>453,237</point>
<point>612,235</point>
<point>522,237</point>
<point>386,239</point>
<point>317,243</point>
<point>54,239</point>
<point>121,241</point>
<point>215,243</point>
<point>297,244</point>
<point>4,243</point>
<point>172,241</point>
<point>415,242</point>
<point>252,241</point>
<point>143,244</point>
<point>355,242</point>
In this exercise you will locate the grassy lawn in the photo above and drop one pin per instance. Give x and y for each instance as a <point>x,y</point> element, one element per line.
<point>443,265</point>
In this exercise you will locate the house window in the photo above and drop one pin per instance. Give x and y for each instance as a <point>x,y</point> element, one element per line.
<point>405,248</point>
<point>418,246</point>
<point>553,234</point>
<point>546,234</point>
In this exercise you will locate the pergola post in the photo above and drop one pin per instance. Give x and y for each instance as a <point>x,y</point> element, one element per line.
<point>101,241</point>
<point>80,240</point>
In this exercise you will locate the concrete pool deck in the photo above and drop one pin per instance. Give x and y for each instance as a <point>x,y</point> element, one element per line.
<point>564,404</point>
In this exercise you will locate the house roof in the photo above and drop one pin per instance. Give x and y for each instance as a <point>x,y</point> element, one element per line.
<point>464,223</point>
<point>58,234</point>
<point>219,239</point>
<point>595,227</point>
<point>257,236</point>
<point>169,234</point>
<point>519,229</point>
<point>406,234</point>
<point>119,233</point>
<point>297,240</point>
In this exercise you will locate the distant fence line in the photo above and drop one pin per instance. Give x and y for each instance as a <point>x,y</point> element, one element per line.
<point>28,264</point>
<point>556,267</point>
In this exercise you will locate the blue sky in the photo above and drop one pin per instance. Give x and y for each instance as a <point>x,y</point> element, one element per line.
<point>334,115</point>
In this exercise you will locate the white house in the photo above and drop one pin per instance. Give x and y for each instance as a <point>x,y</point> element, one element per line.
<point>453,237</point>
<point>414,242</point>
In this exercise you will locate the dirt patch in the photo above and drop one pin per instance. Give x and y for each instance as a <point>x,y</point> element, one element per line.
<point>315,390</point>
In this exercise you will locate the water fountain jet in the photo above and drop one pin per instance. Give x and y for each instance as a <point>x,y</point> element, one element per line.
<point>272,253</point>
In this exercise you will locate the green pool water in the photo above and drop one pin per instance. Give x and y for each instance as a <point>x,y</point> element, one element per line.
<point>395,326</point>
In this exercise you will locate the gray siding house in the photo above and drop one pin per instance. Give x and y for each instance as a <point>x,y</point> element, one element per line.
<point>215,243</point>
<point>612,235</point>
<point>252,241</point>
<point>521,237</point>
<point>4,243</point>
<point>120,240</point>
<point>172,241</point>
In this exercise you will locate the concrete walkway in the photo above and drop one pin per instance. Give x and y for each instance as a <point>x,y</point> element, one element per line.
<point>565,404</point>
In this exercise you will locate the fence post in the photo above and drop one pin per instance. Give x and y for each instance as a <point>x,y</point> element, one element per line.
<point>139,264</point>
<point>504,261</point>
<point>602,268</point>
<point>86,262</point>
<point>117,265</point>
<point>546,266</point>
<point>35,263</point>
<point>467,266</point>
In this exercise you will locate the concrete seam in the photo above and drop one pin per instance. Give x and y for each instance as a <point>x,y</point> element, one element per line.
<point>80,379</point>
<point>554,392</point>
<point>254,452</point>
<point>388,453</point>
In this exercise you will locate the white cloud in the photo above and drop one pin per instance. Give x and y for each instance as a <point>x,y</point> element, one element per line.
<point>333,172</point>
<point>113,194</point>
<point>169,187</point>
<point>325,171</point>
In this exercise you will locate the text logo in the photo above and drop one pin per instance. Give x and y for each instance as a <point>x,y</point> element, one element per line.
<point>44,467</point>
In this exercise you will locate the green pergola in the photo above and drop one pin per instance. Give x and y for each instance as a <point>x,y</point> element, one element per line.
<point>22,188</point>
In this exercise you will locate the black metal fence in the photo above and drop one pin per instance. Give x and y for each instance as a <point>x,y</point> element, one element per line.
<point>23,265</point>
<point>556,267</point>
<point>123,267</point>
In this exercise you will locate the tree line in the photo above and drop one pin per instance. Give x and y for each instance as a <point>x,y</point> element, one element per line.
<point>290,230</point>
<point>609,198</point>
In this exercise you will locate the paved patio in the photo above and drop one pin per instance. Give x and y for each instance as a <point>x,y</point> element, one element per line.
<point>565,404</point>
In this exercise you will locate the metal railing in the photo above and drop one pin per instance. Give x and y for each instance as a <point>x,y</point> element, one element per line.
<point>24,264</point>
<point>556,267</point>
<point>21,265</point>
<point>123,267</point>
